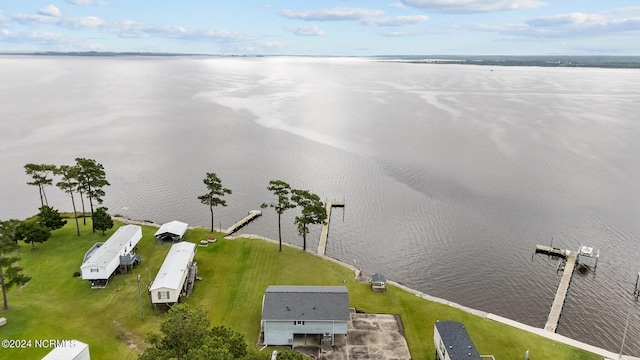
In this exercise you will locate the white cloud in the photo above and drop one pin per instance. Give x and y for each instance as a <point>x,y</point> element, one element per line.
<point>628,10</point>
<point>471,6</point>
<point>4,32</point>
<point>567,19</point>
<point>574,25</point>
<point>31,18</point>
<point>35,37</point>
<point>219,36</point>
<point>396,20</point>
<point>88,22</point>
<point>335,14</point>
<point>129,29</point>
<point>85,2</point>
<point>311,30</point>
<point>50,10</point>
<point>404,33</point>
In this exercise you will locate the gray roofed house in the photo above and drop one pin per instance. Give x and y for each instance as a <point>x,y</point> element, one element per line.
<point>292,310</point>
<point>453,342</point>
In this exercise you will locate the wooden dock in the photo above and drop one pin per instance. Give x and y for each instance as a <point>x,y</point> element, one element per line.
<point>324,233</point>
<point>561,294</point>
<point>235,227</point>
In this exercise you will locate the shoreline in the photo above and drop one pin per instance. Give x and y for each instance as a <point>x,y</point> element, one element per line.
<point>357,272</point>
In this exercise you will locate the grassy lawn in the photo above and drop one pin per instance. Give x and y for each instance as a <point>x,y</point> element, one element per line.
<point>56,305</point>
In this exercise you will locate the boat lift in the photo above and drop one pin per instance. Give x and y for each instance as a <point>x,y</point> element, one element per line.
<point>587,251</point>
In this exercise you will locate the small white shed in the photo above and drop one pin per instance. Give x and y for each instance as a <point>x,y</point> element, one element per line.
<point>171,231</point>
<point>176,274</point>
<point>69,350</point>
<point>103,259</point>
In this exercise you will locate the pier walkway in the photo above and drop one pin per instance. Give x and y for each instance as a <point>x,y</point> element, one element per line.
<point>324,233</point>
<point>571,258</point>
<point>561,293</point>
<point>235,227</point>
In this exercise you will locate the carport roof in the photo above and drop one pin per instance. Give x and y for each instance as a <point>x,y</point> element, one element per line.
<point>290,303</point>
<point>174,227</point>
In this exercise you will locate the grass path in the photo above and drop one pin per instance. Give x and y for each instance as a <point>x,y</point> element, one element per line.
<point>56,305</point>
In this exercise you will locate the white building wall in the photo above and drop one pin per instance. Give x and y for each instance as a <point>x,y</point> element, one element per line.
<point>441,350</point>
<point>174,295</point>
<point>281,332</point>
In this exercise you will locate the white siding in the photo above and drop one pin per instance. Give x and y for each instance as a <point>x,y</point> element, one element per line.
<point>75,350</point>
<point>281,332</point>
<point>172,274</point>
<point>107,258</point>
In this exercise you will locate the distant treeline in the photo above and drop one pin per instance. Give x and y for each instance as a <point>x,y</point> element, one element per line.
<point>618,62</point>
<point>595,61</point>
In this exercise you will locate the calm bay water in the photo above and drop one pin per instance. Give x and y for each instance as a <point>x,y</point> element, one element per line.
<point>451,174</point>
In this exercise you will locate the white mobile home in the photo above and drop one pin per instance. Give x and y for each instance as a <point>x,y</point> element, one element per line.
<point>102,260</point>
<point>69,350</point>
<point>176,275</point>
<point>171,231</point>
<point>301,310</point>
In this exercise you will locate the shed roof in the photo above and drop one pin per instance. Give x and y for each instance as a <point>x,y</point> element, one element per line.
<point>378,278</point>
<point>112,247</point>
<point>174,227</point>
<point>306,303</point>
<point>457,340</point>
<point>174,266</point>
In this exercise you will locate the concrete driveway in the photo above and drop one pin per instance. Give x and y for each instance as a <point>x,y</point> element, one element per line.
<point>370,337</point>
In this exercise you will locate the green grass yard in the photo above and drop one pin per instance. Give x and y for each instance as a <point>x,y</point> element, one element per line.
<point>55,305</point>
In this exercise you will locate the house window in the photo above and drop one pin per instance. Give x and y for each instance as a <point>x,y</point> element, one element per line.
<point>163,295</point>
<point>298,322</point>
<point>95,270</point>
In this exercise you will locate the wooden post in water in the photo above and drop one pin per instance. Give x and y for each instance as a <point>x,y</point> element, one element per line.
<point>636,292</point>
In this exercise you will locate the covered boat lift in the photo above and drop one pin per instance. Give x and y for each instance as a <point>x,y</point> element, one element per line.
<point>172,231</point>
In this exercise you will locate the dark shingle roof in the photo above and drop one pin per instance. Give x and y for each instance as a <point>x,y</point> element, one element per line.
<point>378,278</point>
<point>306,303</point>
<point>457,341</point>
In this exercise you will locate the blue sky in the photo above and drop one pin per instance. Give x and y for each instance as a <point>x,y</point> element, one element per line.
<point>328,27</point>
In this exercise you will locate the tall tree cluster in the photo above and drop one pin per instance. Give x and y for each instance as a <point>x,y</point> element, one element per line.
<point>312,210</point>
<point>40,177</point>
<point>91,180</point>
<point>86,178</point>
<point>10,273</point>
<point>282,191</point>
<point>215,193</point>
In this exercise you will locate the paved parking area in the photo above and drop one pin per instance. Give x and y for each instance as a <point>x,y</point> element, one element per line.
<point>371,337</point>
